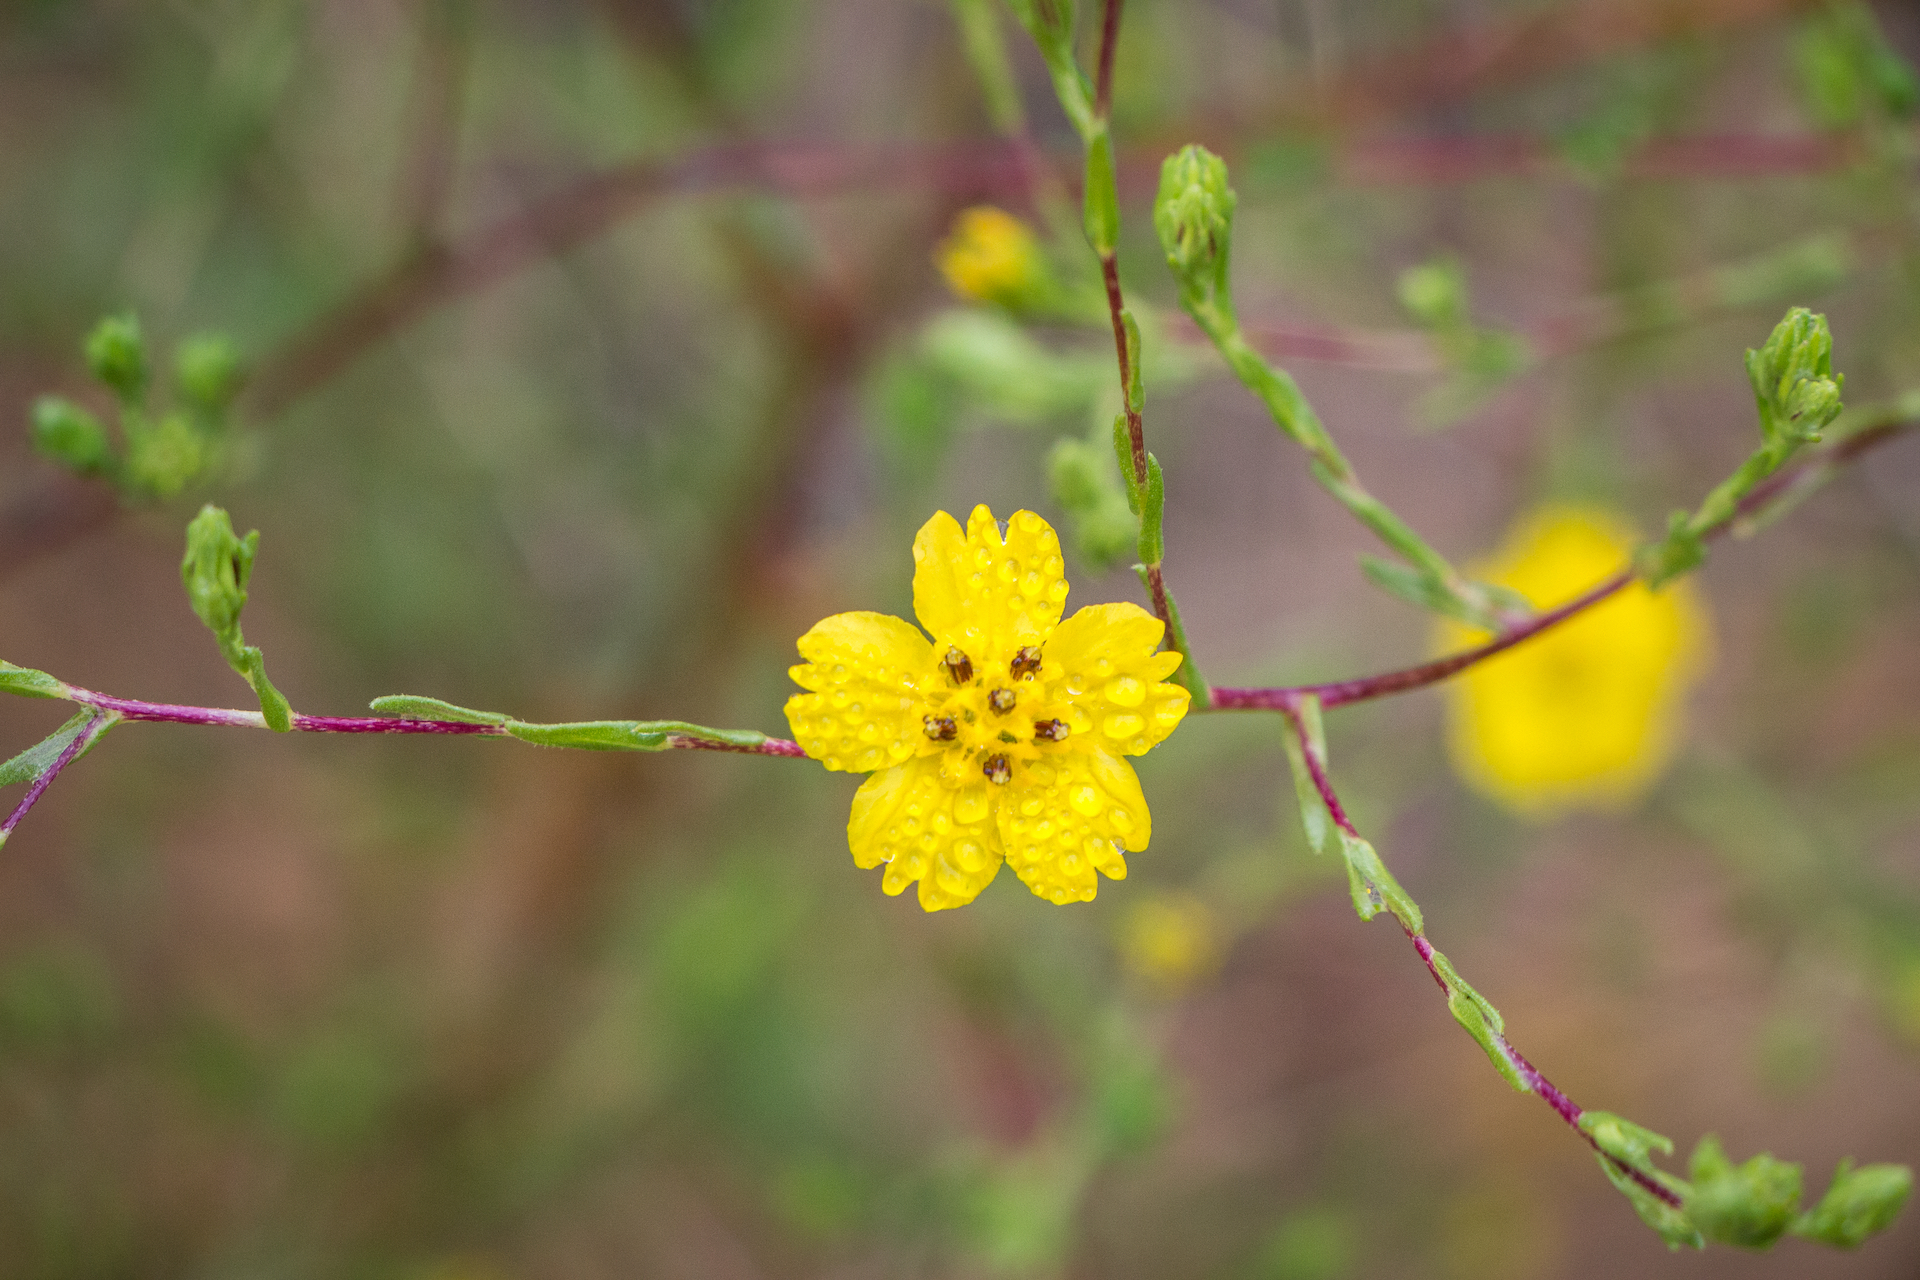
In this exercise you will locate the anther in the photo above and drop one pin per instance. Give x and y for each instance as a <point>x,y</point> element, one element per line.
<point>997,769</point>
<point>941,728</point>
<point>1001,700</point>
<point>1026,662</point>
<point>1050,730</point>
<point>959,666</point>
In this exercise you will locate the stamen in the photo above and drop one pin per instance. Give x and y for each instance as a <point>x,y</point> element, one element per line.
<point>1050,731</point>
<point>1001,700</point>
<point>1026,662</point>
<point>959,666</point>
<point>997,769</point>
<point>941,728</point>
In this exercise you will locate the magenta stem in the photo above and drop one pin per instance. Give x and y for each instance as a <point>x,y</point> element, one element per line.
<point>225,717</point>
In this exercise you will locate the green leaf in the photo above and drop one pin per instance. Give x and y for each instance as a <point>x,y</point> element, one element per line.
<point>414,707</point>
<point>1153,508</point>
<point>1633,1146</point>
<point>1750,1205</point>
<point>1373,887</point>
<point>1123,454</point>
<point>628,735</point>
<point>1101,214</point>
<point>26,683</point>
<point>117,355</point>
<point>39,757</point>
<point>71,436</point>
<point>215,572</point>
<point>1482,1021</point>
<point>1859,1203</point>
<point>1314,817</point>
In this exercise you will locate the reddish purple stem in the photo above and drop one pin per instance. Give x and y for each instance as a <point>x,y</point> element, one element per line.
<point>169,713</point>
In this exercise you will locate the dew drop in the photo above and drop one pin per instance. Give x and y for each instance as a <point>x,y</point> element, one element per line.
<point>1127,691</point>
<point>1123,725</point>
<point>1085,799</point>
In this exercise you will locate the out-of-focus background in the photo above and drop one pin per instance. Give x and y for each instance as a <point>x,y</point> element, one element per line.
<point>592,366</point>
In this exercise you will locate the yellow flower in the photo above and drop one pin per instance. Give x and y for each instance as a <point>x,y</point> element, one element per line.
<point>1586,715</point>
<point>999,740</point>
<point>990,257</point>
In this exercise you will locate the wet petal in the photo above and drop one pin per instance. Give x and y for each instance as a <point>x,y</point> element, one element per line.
<point>984,594</point>
<point>924,830</point>
<point>1064,819</point>
<point>1114,682</point>
<point>863,711</point>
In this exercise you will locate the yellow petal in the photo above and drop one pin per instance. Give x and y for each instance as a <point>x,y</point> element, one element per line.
<point>863,710</point>
<point>986,595</point>
<point>1064,818</point>
<point>1114,681</point>
<point>927,831</point>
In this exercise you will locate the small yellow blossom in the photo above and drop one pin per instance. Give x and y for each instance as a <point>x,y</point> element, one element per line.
<point>990,257</point>
<point>1001,738</point>
<point>1586,715</point>
<point>1171,940</point>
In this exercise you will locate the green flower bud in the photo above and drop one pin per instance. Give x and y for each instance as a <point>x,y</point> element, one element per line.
<point>215,572</point>
<point>117,354</point>
<point>209,371</point>
<point>1750,1205</point>
<point>164,458</point>
<point>1435,293</point>
<point>1194,216</point>
<point>1793,380</point>
<point>70,435</point>
<point>1860,1202</point>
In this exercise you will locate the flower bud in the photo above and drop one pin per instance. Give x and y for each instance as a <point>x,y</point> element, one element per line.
<point>1859,1203</point>
<point>70,435</point>
<point>209,370</point>
<point>117,354</point>
<point>1793,379</point>
<point>1750,1204</point>
<point>1194,216</point>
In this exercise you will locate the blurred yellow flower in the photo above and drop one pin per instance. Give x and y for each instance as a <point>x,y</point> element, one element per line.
<point>999,740</point>
<point>991,256</point>
<point>1586,715</point>
<point>1171,940</point>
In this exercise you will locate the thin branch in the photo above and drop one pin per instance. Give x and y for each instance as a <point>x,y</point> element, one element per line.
<point>1103,79</point>
<point>1536,1083</point>
<point>232,718</point>
<point>1787,483</point>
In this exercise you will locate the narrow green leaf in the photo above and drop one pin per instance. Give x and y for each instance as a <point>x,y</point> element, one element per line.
<point>1373,886</point>
<point>1481,1020</point>
<point>1123,453</point>
<point>39,757</point>
<point>1672,1224</point>
<point>592,735</point>
<point>1153,542</point>
<point>1313,811</point>
<point>1633,1146</point>
<point>1102,207</point>
<point>26,683</point>
<point>411,706</point>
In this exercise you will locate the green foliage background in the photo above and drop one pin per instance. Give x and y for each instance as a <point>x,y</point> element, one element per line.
<point>448,1008</point>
